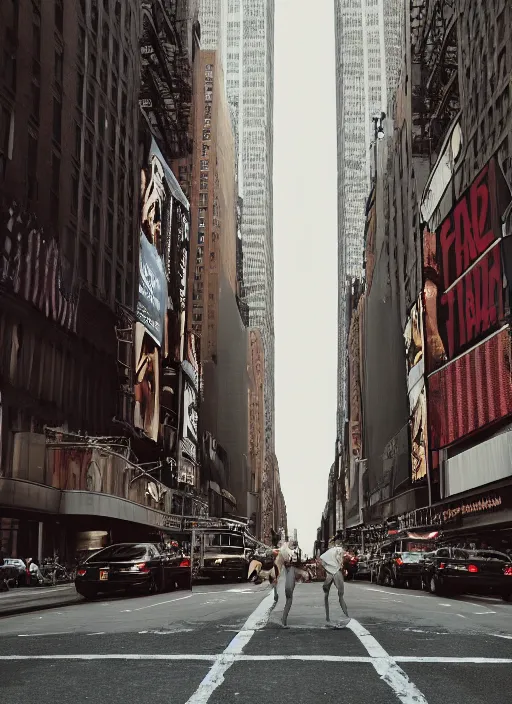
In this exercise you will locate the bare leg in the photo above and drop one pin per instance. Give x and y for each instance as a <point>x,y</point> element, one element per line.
<point>340,586</point>
<point>288,590</point>
<point>326,587</point>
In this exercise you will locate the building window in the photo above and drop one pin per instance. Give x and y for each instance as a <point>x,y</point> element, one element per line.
<point>90,105</point>
<point>79,89</point>
<point>78,141</point>
<point>96,223</point>
<point>110,229</point>
<point>36,44</point>
<point>107,278</point>
<point>119,286</point>
<point>10,66</point>
<point>32,167</point>
<point>55,190</point>
<point>36,98</point>
<point>59,15</point>
<point>58,67</point>
<point>74,194</point>
<point>86,207</point>
<point>83,263</point>
<point>57,120</point>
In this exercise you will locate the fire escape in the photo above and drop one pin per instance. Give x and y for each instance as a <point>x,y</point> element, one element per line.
<point>166,93</point>
<point>435,91</point>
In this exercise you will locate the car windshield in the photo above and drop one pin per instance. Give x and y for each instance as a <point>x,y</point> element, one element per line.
<point>120,553</point>
<point>412,556</point>
<point>217,542</point>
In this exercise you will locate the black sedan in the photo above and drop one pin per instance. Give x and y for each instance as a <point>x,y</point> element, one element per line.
<point>132,566</point>
<point>458,571</point>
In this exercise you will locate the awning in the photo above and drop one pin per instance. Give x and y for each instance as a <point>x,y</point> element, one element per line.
<point>29,496</point>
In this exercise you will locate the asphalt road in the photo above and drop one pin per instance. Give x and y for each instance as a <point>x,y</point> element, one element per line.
<point>224,644</point>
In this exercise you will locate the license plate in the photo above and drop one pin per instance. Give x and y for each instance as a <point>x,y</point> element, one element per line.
<point>103,575</point>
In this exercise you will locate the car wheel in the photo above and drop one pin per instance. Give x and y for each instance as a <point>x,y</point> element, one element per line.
<point>507,596</point>
<point>88,593</point>
<point>436,586</point>
<point>154,586</point>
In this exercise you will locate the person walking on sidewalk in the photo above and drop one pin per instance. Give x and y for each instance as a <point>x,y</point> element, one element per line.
<point>332,561</point>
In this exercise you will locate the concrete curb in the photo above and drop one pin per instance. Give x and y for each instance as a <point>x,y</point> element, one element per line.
<point>25,609</point>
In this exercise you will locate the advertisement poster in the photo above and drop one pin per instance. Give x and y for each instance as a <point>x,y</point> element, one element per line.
<point>147,372</point>
<point>152,299</point>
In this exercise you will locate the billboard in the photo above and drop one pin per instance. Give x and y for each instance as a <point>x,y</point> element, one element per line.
<point>147,382</point>
<point>152,298</point>
<point>464,286</point>
<point>413,336</point>
<point>472,392</point>
<point>466,304</point>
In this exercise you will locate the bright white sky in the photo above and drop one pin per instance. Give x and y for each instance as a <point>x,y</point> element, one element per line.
<point>305,251</point>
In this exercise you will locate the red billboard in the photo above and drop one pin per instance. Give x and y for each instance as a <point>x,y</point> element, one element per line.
<point>464,285</point>
<point>472,392</point>
<point>466,303</point>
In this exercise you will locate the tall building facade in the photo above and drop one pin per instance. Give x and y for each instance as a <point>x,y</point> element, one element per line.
<point>361,94</point>
<point>98,381</point>
<point>243,32</point>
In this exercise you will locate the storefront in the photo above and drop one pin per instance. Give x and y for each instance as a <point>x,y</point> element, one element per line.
<point>479,519</point>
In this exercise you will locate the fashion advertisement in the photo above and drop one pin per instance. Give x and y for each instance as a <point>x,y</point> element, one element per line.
<point>152,299</point>
<point>147,373</point>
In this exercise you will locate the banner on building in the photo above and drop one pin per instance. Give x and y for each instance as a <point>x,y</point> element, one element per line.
<point>147,382</point>
<point>466,305</point>
<point>152,299</point>
<point>463,272</point>
<point>413,336</point>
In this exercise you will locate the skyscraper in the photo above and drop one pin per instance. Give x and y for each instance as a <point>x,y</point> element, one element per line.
<point>243,32</point>
<point>361,94</point>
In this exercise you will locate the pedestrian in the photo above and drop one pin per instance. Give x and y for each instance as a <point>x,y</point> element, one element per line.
<point>288,555</point>
<point>332,561</point>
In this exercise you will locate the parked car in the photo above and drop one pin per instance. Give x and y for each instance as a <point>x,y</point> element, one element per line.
<point>363,567</point>
<point>401,569</point>
<point>132,566</point>
<point>226,556</point>
<point>455,570</point>
<point>13,571</point>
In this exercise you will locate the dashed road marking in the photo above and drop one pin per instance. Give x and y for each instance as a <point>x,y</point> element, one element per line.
<point>160,603</point>
<point>34,635</point>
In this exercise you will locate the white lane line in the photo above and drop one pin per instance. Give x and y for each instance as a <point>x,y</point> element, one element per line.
<point>460,615</point>
<point>381,591</point>
<point>483,613</point>
<point>444,604</point>
<point>263,658</point>
<point>34,635</point>
<point>125,656</point>
<point>454,661</point>
<point>215,676</point>
<point>161,603</point>
<point>99,633</point>
<point>499,635</point>
<point>391,673</point>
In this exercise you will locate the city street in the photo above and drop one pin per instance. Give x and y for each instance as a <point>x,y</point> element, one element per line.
<point>224,643</point>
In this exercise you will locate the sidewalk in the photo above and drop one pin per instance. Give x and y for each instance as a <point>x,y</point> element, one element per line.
<point>22,600</point>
